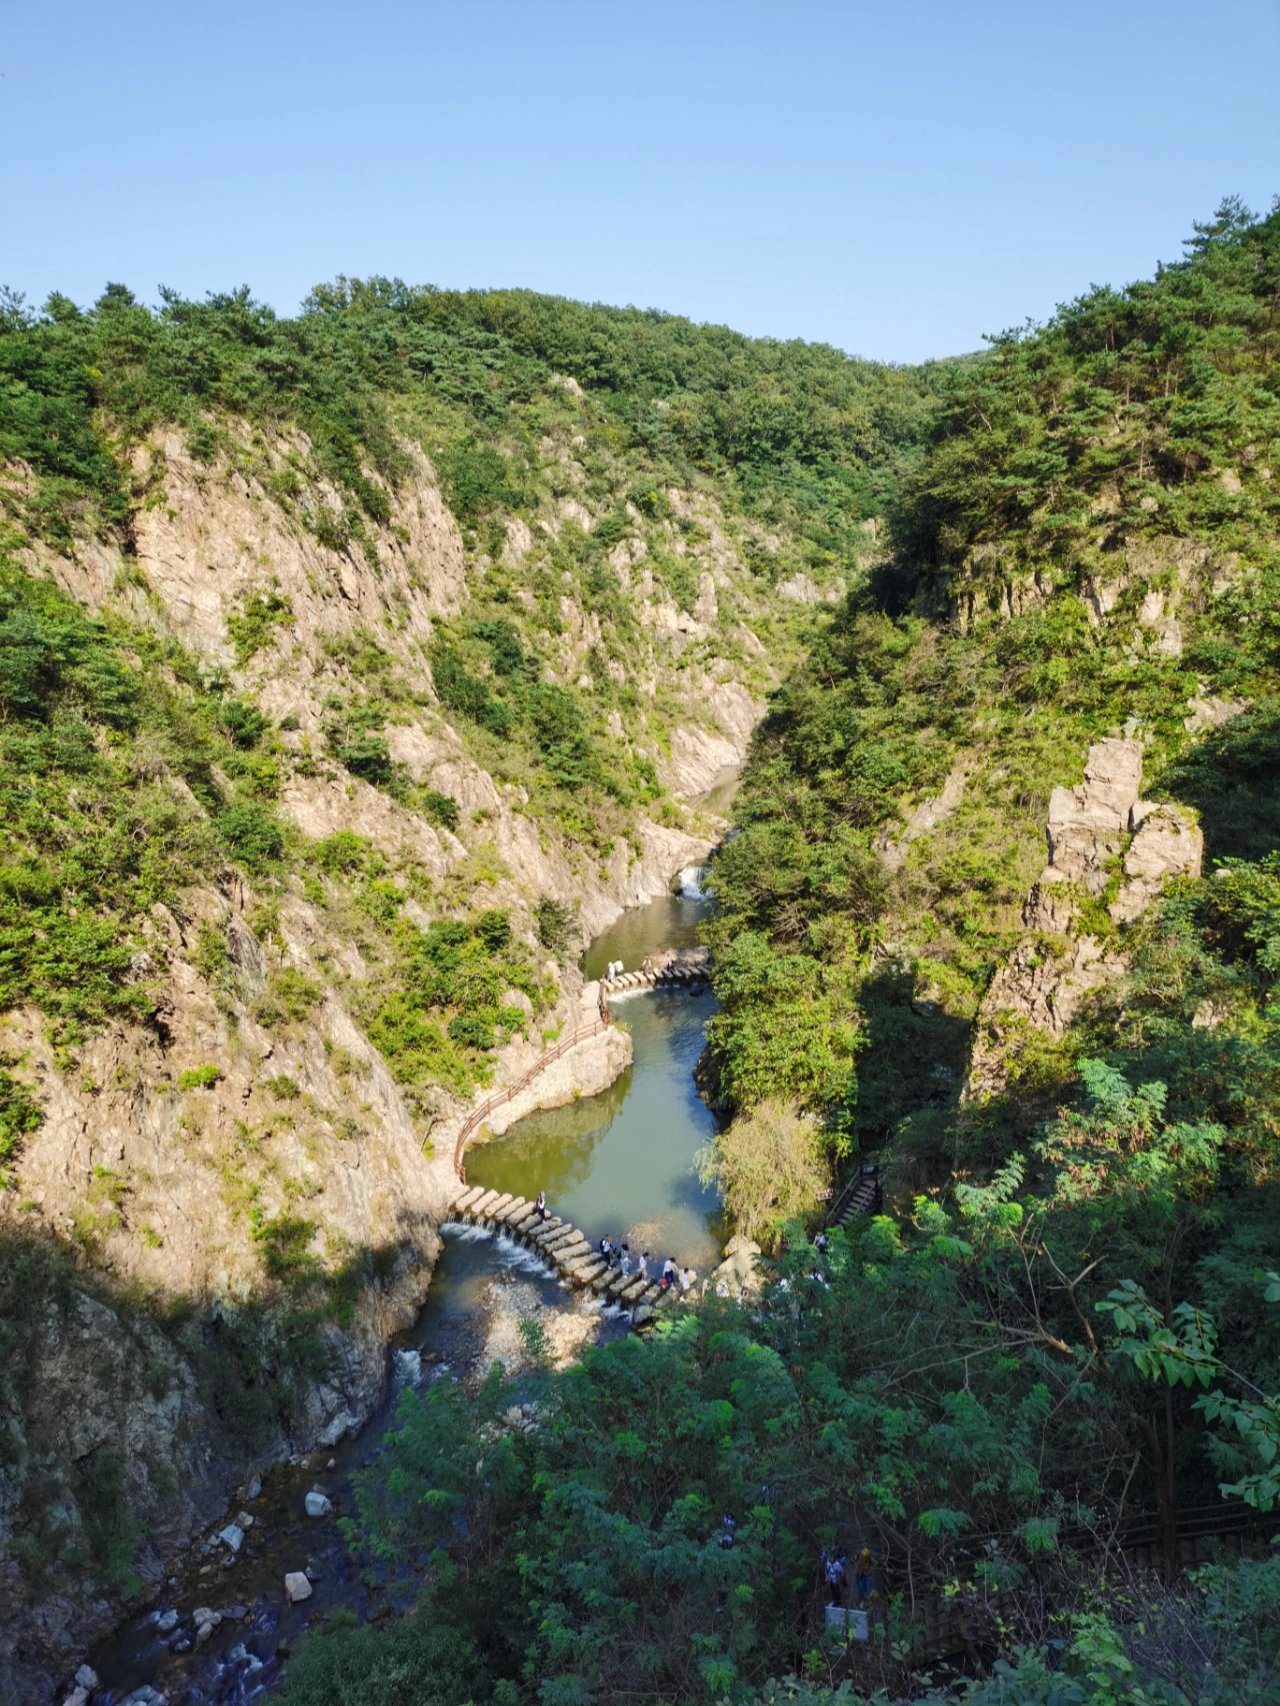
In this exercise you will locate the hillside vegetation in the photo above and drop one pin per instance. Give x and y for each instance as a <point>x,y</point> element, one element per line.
<point>346,655</point>
<point>354,668</point>
<point>1067,1325</point>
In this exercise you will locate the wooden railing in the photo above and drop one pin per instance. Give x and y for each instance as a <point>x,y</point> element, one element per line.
<point>476,1118</point>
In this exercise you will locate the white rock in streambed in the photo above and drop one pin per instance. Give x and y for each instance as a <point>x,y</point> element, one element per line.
<point>296,1587</point>
<point>318,1503</point>
<point>232,1535</point>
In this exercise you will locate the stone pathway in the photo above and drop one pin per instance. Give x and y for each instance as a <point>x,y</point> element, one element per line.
<point>563,1247</point>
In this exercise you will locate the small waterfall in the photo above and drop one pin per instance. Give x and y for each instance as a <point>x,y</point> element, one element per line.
<point>407,1368</point>
<point>692,880</point>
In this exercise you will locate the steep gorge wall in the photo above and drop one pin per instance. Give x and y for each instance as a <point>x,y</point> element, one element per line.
<point>252,1138</point>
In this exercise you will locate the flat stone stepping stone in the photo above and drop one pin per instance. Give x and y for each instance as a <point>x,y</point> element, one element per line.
<point>568,1254</point>
<point>562,1235</point>
<point>466,1199</point>
<point>481,1206</point>
<point>494,1210</point>
<point>587,1268</point>
<point>633,1291</point>
<point>573,1240</point>
<point>642,1315</point>
<point>526,1224</point>
<point>515,1211</point>
<point>548,1229</point>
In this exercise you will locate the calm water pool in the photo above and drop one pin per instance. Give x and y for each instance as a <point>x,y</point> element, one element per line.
<point>623,1161</point>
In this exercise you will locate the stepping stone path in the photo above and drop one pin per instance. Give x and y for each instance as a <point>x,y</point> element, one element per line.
<point>690,977</point>
<point>563,1246</point>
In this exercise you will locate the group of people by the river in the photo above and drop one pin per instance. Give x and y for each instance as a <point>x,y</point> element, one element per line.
<point>617,1254</point>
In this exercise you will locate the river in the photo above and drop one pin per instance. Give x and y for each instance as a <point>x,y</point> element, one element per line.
<point>620,1162</point>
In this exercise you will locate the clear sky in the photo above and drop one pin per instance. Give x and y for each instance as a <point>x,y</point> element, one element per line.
<point>895,178</point>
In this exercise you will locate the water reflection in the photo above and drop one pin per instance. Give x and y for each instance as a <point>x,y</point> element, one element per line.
<point>622,1162</point>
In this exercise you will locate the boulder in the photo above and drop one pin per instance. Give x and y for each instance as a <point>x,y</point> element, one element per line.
<point>297,1587</point>
<point>232,1536</point>
<point>1168,844</point>
<point>87,1677</point>
<point>1086,823</point>
<point>318,1503</point>
<point>166,1621</point>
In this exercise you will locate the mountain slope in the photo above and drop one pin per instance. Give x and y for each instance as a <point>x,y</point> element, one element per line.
<point>352,670</point>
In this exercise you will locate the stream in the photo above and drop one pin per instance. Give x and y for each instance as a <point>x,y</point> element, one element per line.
<point>620,1162</point>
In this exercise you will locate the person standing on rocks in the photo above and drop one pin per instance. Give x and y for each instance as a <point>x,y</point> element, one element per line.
<point>540,1205</point>
<point>643,1268</point>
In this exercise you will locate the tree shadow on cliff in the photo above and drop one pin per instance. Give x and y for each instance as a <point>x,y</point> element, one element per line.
<point>910,1071</point>
<point>1232,778</point>
<point>76,1344</point>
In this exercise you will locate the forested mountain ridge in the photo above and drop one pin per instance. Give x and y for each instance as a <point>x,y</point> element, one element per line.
<point>1065,1328</point>
<point>353,668</point>
<point>1088,546</point>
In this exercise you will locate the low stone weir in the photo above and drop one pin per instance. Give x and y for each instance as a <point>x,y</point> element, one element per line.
<point>564,1247</point>
<point>684,969</point>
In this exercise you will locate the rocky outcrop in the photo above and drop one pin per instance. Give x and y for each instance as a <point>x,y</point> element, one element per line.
<point>1168,844</point>
<point>922,819</point>
<point>179,1160</point>
<point>1094,828</point>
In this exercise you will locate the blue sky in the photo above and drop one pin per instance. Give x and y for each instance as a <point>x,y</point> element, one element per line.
<point>896,178</point>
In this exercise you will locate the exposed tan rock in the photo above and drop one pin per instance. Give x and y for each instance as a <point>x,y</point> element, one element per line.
<point>1086,823</point>
<point>1046,978</point>
<point>922,819</point>
<point>1168,844</point>
<point>1210,712</point>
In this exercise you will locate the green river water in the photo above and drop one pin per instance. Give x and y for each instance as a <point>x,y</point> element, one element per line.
<point>622,1162</point>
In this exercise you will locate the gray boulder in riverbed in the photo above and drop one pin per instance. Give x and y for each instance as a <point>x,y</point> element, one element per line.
<point>318,1503</point>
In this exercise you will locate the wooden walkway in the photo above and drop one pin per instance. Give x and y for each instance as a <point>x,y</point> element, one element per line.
<point>563,1247</point>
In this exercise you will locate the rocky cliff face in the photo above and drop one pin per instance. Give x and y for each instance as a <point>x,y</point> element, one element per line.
<point>1102,840</point>
<point>230,1209</point>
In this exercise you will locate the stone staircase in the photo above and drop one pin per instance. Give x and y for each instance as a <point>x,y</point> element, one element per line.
<point>864,1194</point>
<point>564,1247</point>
